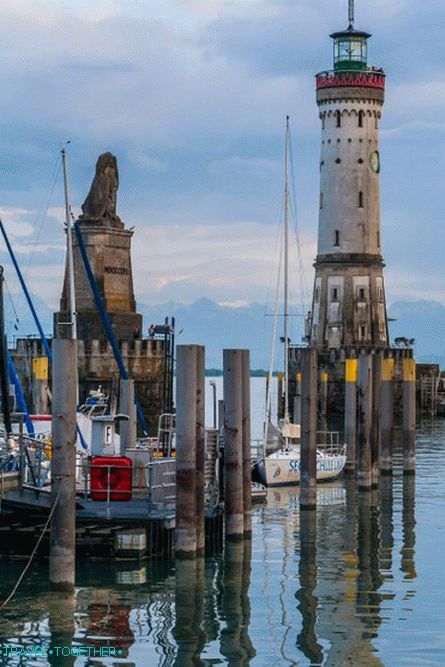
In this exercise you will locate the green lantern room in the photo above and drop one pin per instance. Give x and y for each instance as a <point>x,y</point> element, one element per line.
<point>350,50</point>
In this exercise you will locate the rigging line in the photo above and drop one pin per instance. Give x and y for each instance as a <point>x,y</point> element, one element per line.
<point>26,568</point>
<point>272,355</point>
<point>41,215</point>
<point>17,321</point>
<point>295,220</point>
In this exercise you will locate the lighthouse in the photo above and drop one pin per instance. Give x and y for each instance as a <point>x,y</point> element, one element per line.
<point>348,307</point>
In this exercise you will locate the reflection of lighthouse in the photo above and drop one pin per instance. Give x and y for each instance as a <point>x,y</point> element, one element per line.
<point>349,299</point>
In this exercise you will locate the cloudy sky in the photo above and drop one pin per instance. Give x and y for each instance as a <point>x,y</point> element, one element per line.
<point>191,95</point>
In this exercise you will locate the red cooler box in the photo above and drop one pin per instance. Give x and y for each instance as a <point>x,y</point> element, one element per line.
<point>115,479</point>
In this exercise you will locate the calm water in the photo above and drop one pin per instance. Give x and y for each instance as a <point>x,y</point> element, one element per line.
<point>359,582</point>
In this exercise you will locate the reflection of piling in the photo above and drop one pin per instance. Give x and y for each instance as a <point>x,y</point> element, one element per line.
<point>409,416</point>
<point>232,646</point>
<point>61,610</point>
<point>127,406</point>
<point>386,418</point>
<point>364,421</point>
<point>247,455</point>
<point>297,399</point>
<point>63,465</point>
<point>308,463</point>
<point>233,444</point>
<point>185,631</point>
<point>409,522</point>
<point>386,524</point>
<point>351,414</point>
<point>375,419</point>
<point>200,450</point>
<point>307,568</point>
<point>186,392</point>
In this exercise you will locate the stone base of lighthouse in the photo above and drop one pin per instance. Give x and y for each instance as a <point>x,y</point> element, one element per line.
<point>349,307</point>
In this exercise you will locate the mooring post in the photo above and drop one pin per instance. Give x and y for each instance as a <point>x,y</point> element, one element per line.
<point>308,459</point>
<point>186,391</point>
<point>409,416</point>
<point>297,399</point>
<point>364,421</point>
<point>387,415</point>
<point>375,418</point>
<point>324,377</point>
<point>62,558</point>
<point>247,452</point>
<point>127,428</point>
<point>233,445</point>
<point>200,450</point>
<point>351,369</point>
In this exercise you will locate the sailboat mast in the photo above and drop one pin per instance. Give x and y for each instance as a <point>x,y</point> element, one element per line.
<point>69,248</point>
<point>286,273</point>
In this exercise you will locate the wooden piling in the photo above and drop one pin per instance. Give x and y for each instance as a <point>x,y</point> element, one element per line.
<point>324,377</point>
<point>39,384</point>
<point>409,416</point>
<point>247,453</point>
<point>297,399</point>
<point>186,392</point>
<point>62,560</point>
<point>127,428</point>
<point>308,458</point>
<point>233,445</point>
<point>280,397</point>
<point>200,450</point>
<point>375,419</point>
<point>351,371</point>
<point>387,415</point>
<point>364,421</point>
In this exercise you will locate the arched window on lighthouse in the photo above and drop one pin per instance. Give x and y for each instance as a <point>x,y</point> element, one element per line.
<point>336,238</point>
<point>360,118</point>
<point>338,117</point>
<point>360,199</point>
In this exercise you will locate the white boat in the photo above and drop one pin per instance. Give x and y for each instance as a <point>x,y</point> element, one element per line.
<point>282,468</point>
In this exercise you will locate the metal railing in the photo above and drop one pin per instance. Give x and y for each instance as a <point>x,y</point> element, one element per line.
<point>160,475</point>
<point>328,442</point>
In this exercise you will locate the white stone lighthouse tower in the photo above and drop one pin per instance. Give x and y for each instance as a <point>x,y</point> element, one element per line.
<point>348,307</point>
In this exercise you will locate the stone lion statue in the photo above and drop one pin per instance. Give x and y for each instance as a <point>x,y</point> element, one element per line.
<point>102,197</point>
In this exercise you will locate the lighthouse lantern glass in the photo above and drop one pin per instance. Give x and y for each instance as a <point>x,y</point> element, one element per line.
<point>350,53</point>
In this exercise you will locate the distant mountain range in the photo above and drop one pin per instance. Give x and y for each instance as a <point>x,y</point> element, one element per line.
<point>221,326</point>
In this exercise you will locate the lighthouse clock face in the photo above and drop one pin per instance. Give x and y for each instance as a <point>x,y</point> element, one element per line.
<point>374,161</point>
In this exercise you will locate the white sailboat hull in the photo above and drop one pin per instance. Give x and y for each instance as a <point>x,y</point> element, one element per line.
<point>283,467</point>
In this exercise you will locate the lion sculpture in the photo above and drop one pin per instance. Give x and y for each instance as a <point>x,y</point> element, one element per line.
<point>102,197</point>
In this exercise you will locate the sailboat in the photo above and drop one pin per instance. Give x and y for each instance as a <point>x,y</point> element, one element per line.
<point>282,466</point>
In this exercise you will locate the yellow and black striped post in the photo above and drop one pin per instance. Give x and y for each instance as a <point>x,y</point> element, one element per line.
<point>351,367</point>
<point>409,416</point>
<point>387,415</point>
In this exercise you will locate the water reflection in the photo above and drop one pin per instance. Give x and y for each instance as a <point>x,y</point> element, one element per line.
<point>307,570</point>
<point>320,588</point>
<point>407,565</point>
<point>235,644</point>
<point>61,608</point>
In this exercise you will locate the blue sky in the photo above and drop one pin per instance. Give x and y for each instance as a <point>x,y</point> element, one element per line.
<point>191,95</point>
